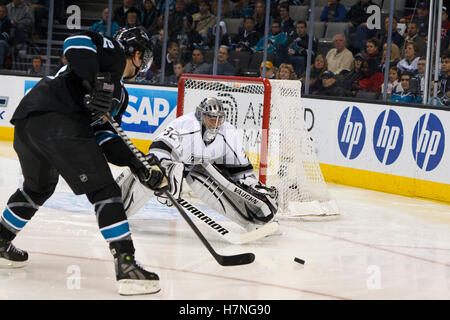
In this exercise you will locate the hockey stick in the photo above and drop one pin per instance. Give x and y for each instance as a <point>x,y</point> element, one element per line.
<point>135,195</point>
<point>232,237</point>
<point>239,259</point>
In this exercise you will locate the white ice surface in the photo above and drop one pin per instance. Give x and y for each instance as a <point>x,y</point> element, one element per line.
<point>382,247</point>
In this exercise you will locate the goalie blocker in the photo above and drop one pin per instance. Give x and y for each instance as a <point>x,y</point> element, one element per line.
<point>248,205</point>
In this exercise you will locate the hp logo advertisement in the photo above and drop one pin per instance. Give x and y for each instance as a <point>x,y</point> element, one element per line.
<point>388,137</point>
<point>351,132</point>
<point>428,142</point>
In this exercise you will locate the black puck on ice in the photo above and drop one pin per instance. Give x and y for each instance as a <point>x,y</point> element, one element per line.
<point>299,260</point>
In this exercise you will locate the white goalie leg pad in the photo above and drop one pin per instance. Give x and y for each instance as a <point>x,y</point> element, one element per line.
<point>134,194</point>
<point>174,173</point>
<point>227,198</point>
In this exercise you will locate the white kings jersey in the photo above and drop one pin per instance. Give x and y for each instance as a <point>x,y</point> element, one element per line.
<point>182,141</point>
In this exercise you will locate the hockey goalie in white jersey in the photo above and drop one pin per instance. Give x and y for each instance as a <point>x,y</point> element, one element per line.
<point>205,150</point>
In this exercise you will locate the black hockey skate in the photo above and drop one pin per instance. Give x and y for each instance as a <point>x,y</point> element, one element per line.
<point>132,279</point>
<point>10,256</point>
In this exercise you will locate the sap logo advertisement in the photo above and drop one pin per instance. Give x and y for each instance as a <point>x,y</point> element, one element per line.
<point>147,109</point>
<point>388,137</point>
<point>428,142</point>
<point>351,132</point>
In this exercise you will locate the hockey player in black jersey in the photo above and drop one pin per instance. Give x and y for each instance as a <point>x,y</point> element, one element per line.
<point>59,130</point>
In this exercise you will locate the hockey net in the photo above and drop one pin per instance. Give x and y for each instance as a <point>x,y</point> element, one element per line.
<point>269,118</point>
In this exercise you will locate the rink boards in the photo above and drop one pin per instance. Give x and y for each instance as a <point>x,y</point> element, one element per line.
<point>388,148</point>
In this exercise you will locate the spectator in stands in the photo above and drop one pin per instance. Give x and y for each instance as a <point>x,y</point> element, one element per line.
<point>158,24</point>
<point>224,67</point>
<point>260,17</point>
<point>395,55</point>
<point>393,84</point>
<point>39,12</point>
<point>227,8</point>
<point>357,17</point>
<point>286,72</point>
<point>37,69</point>
<point>177,18</point>
<point>204,19</point>
<point>413,35</point>
<point>197,64</point>
<point>371,79</point>
<point>443,93</point>
<point>5,34</point>
<point>132,20</point>
<point>419,77</point>
<point>20,16</point>
<point>330,87</point>
<point>173,51</point>
<point>224,40</point>
<point>445,23</point>
<point>120,14</point>
<point>247,36</point>
<point>178,70</point>
<point>148,14</point>
<point>397,38</point>
<point>355,74</point>
<point>372,50</point>
<point>405,95</point>
<point>317,69</point>
<point>333,12</point>
<point>296,49</point>
<point>287,24</point>
<point>157,49</point>
<point>270,70</point>
<point>276,38</point>
<point>339,58</point>
<point>188,39</point>
<point>191,6</point>
<point>411,58</point>
<point>421,18</point>
<point>102,25</point>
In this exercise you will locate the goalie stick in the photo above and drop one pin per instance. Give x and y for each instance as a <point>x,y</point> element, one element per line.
<point>233,260</point>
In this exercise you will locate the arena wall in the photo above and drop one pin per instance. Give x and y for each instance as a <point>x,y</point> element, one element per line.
<point>389,148</point>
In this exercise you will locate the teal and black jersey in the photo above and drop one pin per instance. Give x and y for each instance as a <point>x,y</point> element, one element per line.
<point>87,53</point>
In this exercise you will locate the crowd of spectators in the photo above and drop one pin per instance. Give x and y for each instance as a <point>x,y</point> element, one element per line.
<point>353,67</point>
<point>22,22</point>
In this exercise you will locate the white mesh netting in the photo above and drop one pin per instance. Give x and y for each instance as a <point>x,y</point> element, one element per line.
<point>292,165</point>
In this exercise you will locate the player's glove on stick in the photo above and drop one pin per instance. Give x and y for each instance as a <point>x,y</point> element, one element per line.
<point>153,178</point>
<point>99,100</point>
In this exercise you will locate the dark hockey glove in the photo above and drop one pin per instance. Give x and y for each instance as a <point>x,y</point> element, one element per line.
<point>153,178</point>
<point>99,100</point>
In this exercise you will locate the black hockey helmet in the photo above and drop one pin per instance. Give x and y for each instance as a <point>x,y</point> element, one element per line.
<point>136,39</point>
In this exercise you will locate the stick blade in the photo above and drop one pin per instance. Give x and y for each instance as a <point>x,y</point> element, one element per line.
<point>236,260</point>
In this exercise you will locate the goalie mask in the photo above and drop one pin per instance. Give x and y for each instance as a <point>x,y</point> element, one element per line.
<point>211,115</point>
<point>136,39</point>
